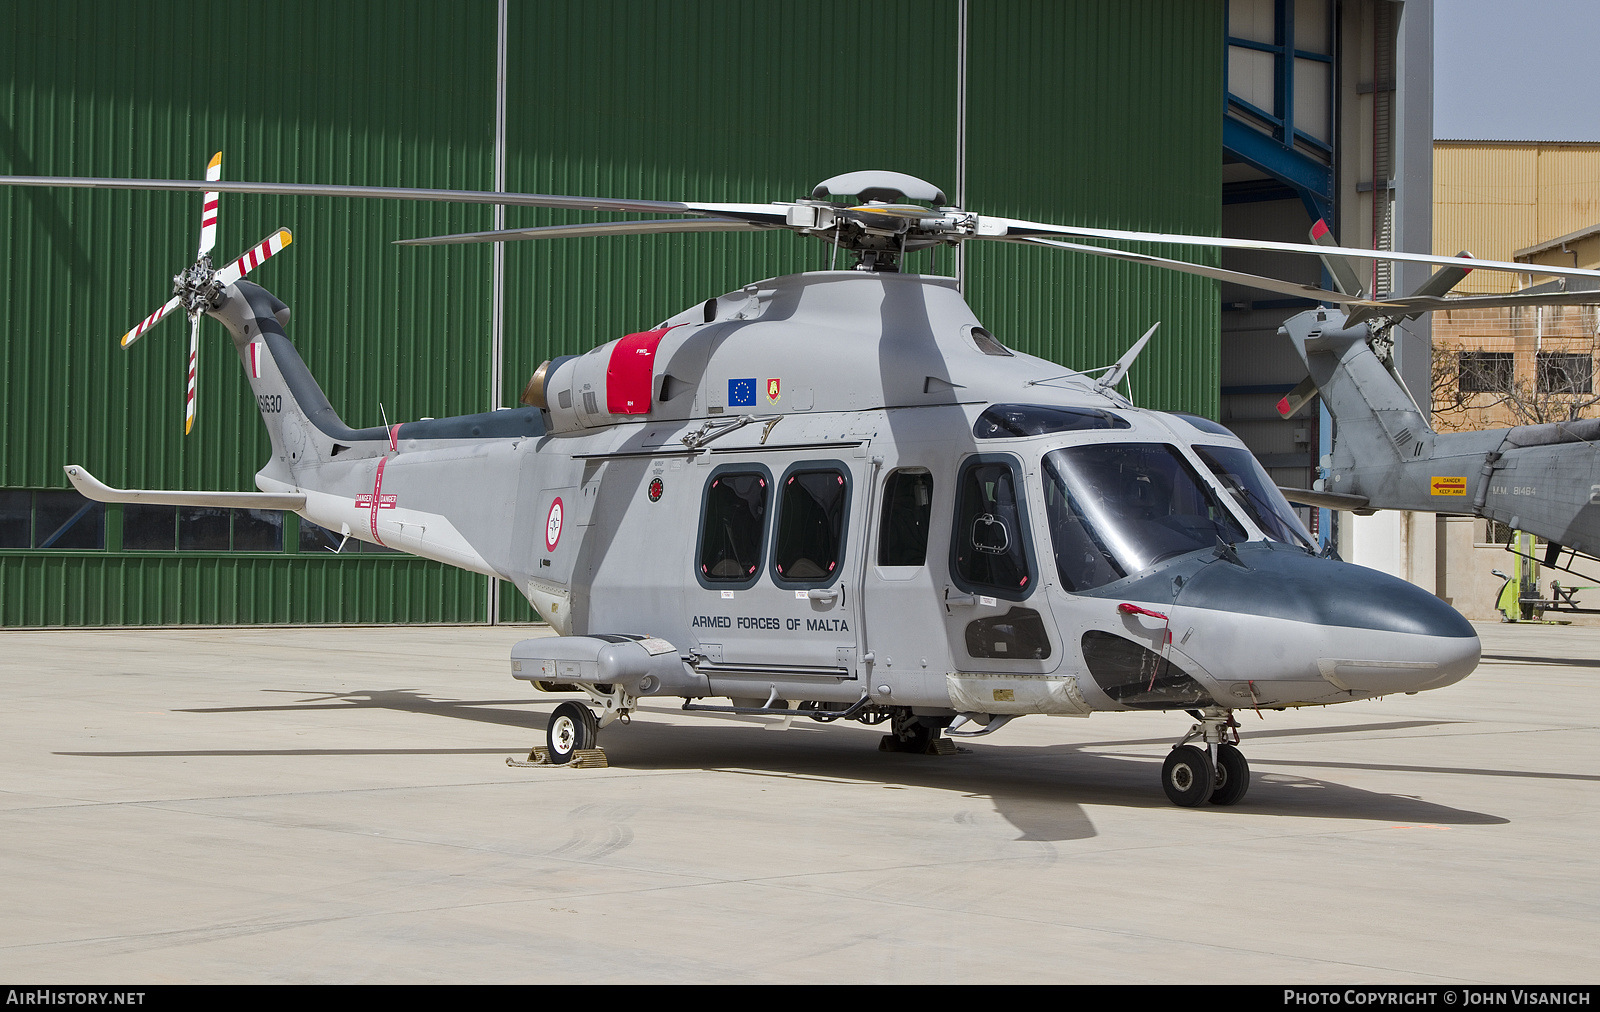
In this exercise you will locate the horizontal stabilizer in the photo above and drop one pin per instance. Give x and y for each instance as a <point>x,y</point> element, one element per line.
<point>1326,500</point>
<point>99,491</point>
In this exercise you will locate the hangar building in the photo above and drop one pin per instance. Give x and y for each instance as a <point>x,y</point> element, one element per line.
<point>1238,117</point>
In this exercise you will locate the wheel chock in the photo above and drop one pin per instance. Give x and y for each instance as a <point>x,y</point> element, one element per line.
<point>583,759</point>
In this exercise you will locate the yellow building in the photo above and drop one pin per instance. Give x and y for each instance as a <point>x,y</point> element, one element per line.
<point>1532,202</point>
<point>1537,201</point>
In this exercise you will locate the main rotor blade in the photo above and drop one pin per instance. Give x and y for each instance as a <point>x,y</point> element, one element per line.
<point>1012,228</point>
<point>403,193</point>
<point>149,321</point>
<point>1415,305</point>
<point>208,206</point>
<point>254,257</point>
<point>1250,280</point>
<point>1436,302</point>
<point>657,226</point>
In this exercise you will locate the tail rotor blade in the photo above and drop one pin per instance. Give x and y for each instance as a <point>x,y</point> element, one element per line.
<point>254,257</point>
<point>149,321</point>
<point>1292,402</point>
<point>1440,283</point>
<point>208,208</point>
<point>194,372</point>
<point>1340,269</point>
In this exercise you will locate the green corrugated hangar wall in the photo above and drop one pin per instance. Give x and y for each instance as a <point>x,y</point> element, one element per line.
<point>1095,113</point>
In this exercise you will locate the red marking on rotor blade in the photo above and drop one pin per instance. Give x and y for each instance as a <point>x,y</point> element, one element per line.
<point>1283,407</point>
<point>1320,229</point>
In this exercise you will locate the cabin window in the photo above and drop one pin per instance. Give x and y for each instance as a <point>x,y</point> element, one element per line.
<point>1013,421</point>
<point>733,526</point>
<point>1117,508</point>
<point>1255,493</point>
<point>907,511</point>
<point>1018,635</point>
<point>812,507</point>
<point>991,553</point>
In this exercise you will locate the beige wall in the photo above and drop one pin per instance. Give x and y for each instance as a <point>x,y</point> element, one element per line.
<point>1494,198</point>
<point>1524,332</point>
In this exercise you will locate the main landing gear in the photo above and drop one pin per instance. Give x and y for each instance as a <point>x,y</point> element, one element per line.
<point>1215,771</point>
<point>919,735</point>
<point>574,729</point>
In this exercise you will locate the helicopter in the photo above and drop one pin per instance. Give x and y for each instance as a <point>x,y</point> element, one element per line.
<point>836,495</point>
<point>1541,478</point>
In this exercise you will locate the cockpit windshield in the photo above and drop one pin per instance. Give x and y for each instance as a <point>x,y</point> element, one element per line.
<point>1118,508</point>
<point>1256,494</point>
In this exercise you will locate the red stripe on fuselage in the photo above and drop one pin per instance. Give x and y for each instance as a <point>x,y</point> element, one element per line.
<point>377,489</point>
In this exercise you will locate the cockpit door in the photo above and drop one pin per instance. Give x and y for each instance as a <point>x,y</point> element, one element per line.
<point>995,619</point>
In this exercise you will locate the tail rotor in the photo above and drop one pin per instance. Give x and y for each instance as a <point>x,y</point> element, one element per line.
<point>199,288</point>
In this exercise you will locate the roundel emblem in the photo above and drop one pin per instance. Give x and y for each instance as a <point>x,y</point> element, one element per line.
<point>552,525</point>
<point>656,488</point>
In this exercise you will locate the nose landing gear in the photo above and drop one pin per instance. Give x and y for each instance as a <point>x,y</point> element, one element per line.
<point>1188,776</point>
<point>1217,773</point>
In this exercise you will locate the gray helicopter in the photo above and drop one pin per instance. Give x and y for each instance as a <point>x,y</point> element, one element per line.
<point>836,495</point>
<point>1543,479</point>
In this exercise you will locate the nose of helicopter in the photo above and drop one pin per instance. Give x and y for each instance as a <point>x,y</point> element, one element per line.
<point>1268,615</point>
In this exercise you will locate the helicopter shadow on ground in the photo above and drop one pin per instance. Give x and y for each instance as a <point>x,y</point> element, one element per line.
<point>1041,791</point>
<point>1581,662</point>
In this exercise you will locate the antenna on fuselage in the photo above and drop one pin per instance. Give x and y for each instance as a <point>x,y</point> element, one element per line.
<point>1120,369</point>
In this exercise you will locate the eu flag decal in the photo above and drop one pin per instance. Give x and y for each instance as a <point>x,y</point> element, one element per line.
<point>742,393</point>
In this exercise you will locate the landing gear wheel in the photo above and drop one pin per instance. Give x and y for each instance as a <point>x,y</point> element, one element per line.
<point>1233,776</point>
<point>572,727</point>
<point>1187,776</point>
<point>911,733</point>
